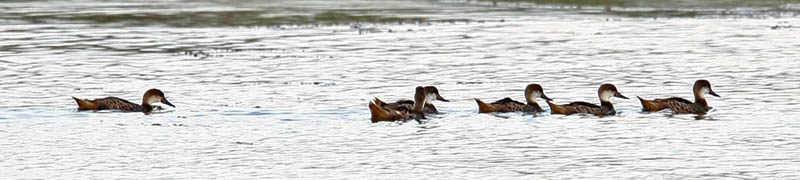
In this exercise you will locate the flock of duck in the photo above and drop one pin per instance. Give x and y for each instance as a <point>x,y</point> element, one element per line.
<point>424,96</point>
<point>422,104</point>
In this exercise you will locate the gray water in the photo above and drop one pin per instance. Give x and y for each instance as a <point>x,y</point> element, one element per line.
<point>280,89</point>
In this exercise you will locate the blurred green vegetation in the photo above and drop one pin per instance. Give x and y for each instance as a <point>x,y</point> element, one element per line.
<point>274,13</point>
<point>221,18</point>
<point>667,4</point>
<point>665,8</point>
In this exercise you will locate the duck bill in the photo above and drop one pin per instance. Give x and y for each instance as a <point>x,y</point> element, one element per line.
<point>440,98</point>
<point>620,96</point>
<point>546,98</point>
<point>164,101</point>
<point>713,94</point>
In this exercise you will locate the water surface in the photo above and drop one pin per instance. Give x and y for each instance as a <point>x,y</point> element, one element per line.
<point>280,90</point>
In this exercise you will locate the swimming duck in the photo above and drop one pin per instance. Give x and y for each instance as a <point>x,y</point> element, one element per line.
<point>431,94</point>
<point>680,105</point>
<point>115,103</point>
<point>605,92</point>
<point>400,110</point>
<point>532,92</point>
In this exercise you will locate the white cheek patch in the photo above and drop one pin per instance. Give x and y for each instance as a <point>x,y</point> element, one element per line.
<point>536,94</point>
<point>606,95</point>
<point>153,99</point>
<point>704,91</point>
<point>430,98</point>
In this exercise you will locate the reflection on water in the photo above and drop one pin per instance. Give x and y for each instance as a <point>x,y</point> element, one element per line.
<point>178,13</point>
<point>660,8</point>
<point>291,102</point>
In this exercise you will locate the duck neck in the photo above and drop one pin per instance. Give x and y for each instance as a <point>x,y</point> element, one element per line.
<point>147,108</point>
<point>418,106</point>
<point>700,104</point>
<point>607,107</point>
<point>419,100</point>
<point>700,101</point>
<point>534,105</point>
<point>532,102</point>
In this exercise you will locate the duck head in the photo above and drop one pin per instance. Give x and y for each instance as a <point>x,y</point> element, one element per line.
<point>607,91</point>
<point>702,87</point>
<point>431,94</point>
<point>534,91</point>
<point>155,96</point>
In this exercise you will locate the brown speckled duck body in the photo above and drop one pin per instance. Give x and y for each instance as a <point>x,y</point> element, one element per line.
<point>605,92</point>
<point>431,94</point>
<point>115,103</point>
<point>680,105</point>
<point>532,91</point>
<point>398,112</point>
<point>406,109</point>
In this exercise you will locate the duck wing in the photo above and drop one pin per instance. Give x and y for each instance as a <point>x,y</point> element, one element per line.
<point>581,103</point>
<point>408,105</point>
<point>575,107</point>
<point>509,105</point>
<point>678,105</point>
<point>401,105</point>
<point>508,102</point>
<point>115,103</point>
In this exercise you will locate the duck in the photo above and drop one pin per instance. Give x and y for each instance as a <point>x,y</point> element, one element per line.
<point>532,91</point>
<point>114,103</point>
<point>431,94</point>
<point>680,105</point>
<point>401,111</point>
<point>605,92</point>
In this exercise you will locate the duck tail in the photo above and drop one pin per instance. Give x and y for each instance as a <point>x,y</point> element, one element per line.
<point>556,109</point>
<point>84,104</point>
<point>378,113</point>
<point>379,102</point>
<point>650,105</point>
<point>483,107</point>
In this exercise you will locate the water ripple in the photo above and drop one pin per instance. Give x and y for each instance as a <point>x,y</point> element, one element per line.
<point>291,102</point>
